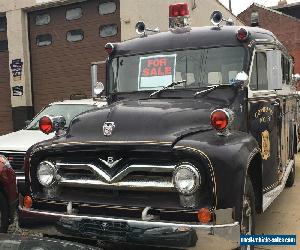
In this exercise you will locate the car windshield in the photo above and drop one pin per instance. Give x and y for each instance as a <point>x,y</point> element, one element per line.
<point>199,67</point>
<point>68,111</point>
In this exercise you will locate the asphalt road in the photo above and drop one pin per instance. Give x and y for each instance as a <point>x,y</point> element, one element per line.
<point>282,217</point>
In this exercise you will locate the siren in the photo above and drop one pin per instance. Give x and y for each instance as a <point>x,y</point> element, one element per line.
<point>140,28</point>
<point>216,18</point>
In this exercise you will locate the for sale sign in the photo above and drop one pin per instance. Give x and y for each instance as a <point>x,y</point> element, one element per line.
<point>156,71</point>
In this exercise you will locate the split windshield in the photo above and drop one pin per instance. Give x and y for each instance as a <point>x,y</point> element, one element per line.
<point>200,68</point>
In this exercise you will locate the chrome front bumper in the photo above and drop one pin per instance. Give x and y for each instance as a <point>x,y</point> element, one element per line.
<point>152,233</point>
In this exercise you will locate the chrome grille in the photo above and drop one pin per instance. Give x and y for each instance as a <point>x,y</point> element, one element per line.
<point>16,159</point>
<point>131,177</point>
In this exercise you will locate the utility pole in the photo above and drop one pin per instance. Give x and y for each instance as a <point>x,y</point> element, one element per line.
<point>230,6</point>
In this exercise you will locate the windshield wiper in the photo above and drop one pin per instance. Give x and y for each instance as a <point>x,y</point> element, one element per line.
<point>172,84</point>
<point>208,90</point>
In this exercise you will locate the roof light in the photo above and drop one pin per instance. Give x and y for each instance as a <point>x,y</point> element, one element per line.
<point>179,9</point>
<point>242,34</point>
<point>109,48</point>
<point>221,119</point>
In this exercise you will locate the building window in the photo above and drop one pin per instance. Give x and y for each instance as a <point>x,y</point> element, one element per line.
<point>108,30</point>
<point>2,23</point>
<point>42,19</point>
<point>107,8</point>
<point>44,40</point>
<point>75,35</point>
<point>73,14</point>
<point>3,45</point>
<point>254,19</point>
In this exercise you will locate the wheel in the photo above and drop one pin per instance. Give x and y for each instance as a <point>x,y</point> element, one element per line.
<point>291,179</point>
<point>4,214</point>
<point>248,212</point>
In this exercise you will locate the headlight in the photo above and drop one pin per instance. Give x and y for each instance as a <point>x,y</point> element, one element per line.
<point>46,173</point>
<point>4,161</point>
<point>186,178</point>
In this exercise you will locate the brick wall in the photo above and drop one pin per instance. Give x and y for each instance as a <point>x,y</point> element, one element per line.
<point>285,28</point>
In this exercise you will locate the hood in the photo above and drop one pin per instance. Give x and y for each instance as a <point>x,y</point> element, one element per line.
<point>151,120</point>
<point>22,140</point>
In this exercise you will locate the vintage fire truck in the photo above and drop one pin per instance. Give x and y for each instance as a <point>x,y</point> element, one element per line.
<point>198,137</point>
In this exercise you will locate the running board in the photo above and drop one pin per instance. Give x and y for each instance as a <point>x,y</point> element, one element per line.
<point>269,197</point>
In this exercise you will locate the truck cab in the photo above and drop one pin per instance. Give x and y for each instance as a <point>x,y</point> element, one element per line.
<point>198,137</point>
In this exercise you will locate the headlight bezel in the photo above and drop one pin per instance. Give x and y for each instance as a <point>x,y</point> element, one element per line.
<point>52,168</point>
<point>196,177</point>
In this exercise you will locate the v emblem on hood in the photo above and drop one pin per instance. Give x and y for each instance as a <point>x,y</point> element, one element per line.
<point>110,162</point>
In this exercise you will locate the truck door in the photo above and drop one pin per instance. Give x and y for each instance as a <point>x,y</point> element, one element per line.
<point>264,116</point>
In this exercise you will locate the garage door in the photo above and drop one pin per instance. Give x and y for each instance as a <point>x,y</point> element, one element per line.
<point>64,41</point>
<point>5,101</point>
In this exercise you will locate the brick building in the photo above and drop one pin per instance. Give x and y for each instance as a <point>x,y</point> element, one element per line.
<point>285,27</point>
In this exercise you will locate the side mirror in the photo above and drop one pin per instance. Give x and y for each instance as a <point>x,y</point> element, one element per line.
<point>49,124</point>
<point>98,88</point>
<point>296,77</point>
<point>241,79</point>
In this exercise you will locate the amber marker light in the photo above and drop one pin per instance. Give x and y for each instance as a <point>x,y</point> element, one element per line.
<point>27,202</point>
<point>204,215</point>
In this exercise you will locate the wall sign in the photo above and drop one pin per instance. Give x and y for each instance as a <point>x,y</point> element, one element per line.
<point>156,71</point>
<point>17,90</point>
<point>16,67</point>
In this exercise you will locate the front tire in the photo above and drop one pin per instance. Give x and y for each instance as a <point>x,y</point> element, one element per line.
<point>248,212</point>
<point>4,214</point>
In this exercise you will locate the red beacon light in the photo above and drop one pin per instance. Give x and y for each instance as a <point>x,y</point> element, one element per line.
<point>179,9</point>
<point>179,15</point>
<point>49,124</point>
<point>221,119</point>
<point>242,34</point>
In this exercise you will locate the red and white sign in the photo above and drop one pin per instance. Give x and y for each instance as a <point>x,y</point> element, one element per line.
<point>156,71</point>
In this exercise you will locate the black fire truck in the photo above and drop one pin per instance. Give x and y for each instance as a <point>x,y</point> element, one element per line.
<point>198,136</point>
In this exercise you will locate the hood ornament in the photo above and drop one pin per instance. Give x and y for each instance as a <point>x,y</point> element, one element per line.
<point>110,162</point>
<point>108,128</point>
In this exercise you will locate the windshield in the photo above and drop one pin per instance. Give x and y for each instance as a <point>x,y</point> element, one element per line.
<point>68,111</point>
<point>200,68</point>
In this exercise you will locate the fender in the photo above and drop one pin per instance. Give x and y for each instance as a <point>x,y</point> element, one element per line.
<point>230,157</point>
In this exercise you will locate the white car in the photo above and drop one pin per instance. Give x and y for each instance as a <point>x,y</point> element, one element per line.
<point>14,145</point>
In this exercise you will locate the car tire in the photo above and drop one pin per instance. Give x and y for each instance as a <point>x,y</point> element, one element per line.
<point>291,179</point>
<point>4,214</point>
<point>248,212</point>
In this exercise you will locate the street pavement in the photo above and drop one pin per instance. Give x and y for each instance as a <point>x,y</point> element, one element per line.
<point>282,217</point>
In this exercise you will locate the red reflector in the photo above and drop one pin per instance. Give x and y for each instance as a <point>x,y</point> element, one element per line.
<point>27,202</point>
<point>179,9</point>
<point>219,120</point>
<point>242,34</point>
<point>45,125</point>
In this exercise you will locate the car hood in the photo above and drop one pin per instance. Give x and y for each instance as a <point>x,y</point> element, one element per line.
<point>156,120</point>
<point>22,140</point>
